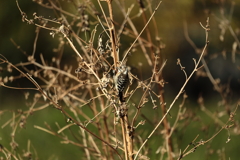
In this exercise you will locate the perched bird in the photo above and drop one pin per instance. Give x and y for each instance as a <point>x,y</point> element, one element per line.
<point>120,80</point>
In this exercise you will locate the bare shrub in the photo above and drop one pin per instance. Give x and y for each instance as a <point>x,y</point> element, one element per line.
<point>112,109</point>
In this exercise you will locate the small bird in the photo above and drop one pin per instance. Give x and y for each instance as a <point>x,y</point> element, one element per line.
<point>120,80</point>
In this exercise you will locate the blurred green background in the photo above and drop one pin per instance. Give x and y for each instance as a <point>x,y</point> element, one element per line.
<point>170,18</point>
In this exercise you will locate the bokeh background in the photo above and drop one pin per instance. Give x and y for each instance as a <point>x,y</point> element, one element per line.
<point>170,17</point>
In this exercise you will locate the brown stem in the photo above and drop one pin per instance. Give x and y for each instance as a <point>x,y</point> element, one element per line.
<point>166,126</point>
<point>113,35</point>
<point>147,28</point>
<point>128,140</point>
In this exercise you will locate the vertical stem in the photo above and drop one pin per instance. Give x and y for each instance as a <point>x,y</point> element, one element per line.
<point>149,38</point>
<point>124,139</point>
<point>165,120</point>
<point>127,138</point>
<point>166,127</point>
<point>112,35</point>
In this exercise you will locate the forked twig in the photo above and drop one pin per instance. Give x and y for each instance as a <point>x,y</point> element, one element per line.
<point>125,56</point>
<point>226,126</point>
<point>181,90</point>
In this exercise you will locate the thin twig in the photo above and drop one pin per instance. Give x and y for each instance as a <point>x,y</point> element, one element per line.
<point>181,90</point>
